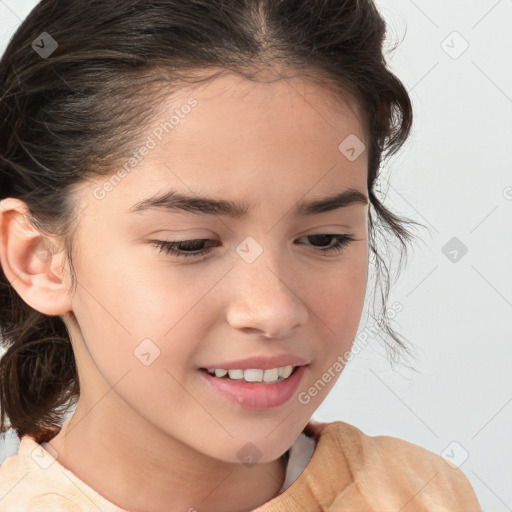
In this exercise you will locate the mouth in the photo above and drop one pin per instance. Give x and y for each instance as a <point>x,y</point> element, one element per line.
<point>266,376</point>
<point>254,388</point>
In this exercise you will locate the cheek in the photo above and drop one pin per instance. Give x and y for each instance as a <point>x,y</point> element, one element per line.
<point>337,294</point>
<point>138,337</point>
<point>128,315</point>
<point>337,299</point>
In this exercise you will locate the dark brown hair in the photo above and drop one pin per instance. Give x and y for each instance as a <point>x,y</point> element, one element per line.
<point>76,113</point>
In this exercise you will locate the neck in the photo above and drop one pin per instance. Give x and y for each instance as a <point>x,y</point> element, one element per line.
<point>140,472</point>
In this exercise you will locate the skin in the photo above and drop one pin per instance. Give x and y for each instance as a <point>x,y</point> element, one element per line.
<point>154,437</point>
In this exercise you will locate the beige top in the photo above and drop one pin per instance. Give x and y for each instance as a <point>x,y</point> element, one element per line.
<point>349,471</point>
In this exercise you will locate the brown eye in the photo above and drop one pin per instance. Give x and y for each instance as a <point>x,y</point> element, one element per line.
<point>185,248</point>
<point>335,242</point>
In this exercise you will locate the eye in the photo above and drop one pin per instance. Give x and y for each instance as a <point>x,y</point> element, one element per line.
<point>338,242</point>
<point>182,248</point>
<point>335,243</point>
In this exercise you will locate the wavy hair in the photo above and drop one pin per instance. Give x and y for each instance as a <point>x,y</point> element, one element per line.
<point>74,114</point>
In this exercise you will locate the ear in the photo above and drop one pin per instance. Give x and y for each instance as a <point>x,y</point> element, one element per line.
<point>31,261</point>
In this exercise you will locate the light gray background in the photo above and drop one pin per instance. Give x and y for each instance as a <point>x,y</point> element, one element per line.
<point>454,175</point>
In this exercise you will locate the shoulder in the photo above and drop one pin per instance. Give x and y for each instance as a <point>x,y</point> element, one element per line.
<point>32,480</point>
<point>25,483</point>
<point>401,472</point>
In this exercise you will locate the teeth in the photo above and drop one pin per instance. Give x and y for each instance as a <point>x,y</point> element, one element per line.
<point>271,375</point>
<point>255,374</point>
<point>236,374</point>
<point>285,372</point>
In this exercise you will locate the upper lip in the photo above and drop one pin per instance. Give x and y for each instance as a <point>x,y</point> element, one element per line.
<point>259,362</point>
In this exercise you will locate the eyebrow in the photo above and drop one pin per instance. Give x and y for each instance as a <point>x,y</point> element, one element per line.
<point>175,201</point>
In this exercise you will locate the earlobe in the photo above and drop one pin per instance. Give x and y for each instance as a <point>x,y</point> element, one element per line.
<point>31,261</point>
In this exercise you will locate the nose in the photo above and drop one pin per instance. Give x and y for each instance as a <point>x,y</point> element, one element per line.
<point>267,299</point>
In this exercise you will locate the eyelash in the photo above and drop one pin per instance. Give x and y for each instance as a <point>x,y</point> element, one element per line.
<point>173,247</point>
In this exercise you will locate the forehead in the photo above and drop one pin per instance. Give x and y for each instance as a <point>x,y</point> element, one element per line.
<point>232,100</point>
<point>232,137</point>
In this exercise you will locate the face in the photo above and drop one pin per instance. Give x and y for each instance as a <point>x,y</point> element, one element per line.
<point>272,287</point>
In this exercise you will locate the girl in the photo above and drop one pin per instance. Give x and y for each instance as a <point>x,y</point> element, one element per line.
<point>186,227</point>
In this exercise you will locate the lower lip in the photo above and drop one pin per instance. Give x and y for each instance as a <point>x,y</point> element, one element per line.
<point>256,395</point>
